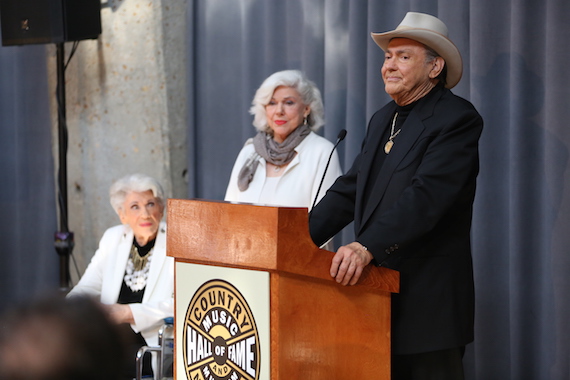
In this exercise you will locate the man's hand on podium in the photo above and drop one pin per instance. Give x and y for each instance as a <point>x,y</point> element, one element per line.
<point>349,262</point>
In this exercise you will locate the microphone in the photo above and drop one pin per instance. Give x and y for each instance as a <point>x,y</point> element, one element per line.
<point>340,137</point>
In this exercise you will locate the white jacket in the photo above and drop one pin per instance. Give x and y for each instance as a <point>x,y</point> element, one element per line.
<point>298,185</point>
<point>104,276</point>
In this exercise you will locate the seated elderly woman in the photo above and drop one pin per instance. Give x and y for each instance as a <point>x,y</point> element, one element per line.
<point>284,163</point>
<point>130,272</point>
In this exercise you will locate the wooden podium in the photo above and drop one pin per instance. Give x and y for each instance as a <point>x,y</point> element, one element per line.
<point>318,329</point>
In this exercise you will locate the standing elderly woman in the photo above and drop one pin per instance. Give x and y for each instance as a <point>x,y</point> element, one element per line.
<point>284,163</point>
<point>130,271</point>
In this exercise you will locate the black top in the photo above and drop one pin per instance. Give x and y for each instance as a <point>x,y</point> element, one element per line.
<point>136,340</point>
<point>126,295</point>
<point>403,112</point>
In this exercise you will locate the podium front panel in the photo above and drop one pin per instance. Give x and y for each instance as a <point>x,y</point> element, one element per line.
<point>222,323</point>
<point>248,263</point>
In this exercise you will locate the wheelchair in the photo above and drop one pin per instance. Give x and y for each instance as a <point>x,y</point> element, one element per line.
<point>164,353</point>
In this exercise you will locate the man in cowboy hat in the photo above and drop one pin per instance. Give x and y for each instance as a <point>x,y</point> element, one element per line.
<point>410,194</point>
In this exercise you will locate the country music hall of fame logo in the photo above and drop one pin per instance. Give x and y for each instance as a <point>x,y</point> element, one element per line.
<point>220,337</point>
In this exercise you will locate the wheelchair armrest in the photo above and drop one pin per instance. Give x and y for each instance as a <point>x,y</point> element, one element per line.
<point>139,359</point>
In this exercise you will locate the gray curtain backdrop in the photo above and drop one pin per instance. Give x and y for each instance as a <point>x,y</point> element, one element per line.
<point>516,57</point>
<point>29,263</point>
<point>515,60</point>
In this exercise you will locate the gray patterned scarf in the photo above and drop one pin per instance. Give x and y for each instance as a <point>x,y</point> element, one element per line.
<point>273,152</point>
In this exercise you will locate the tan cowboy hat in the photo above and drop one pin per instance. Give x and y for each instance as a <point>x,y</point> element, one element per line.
<point>430,31</point>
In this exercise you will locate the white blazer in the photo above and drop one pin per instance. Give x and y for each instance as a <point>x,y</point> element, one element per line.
<point>298,185</point>
<point>103,278</point>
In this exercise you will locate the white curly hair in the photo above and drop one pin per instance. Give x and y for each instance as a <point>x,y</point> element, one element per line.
<point>134,183</point>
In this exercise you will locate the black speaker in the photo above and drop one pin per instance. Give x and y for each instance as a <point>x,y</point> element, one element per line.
<point>49,21</point>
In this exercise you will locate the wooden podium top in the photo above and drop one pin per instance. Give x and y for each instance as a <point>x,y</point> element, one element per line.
<point>239,235</point>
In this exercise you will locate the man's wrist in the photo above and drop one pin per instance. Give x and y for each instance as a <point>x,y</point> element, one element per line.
<point>366,251</point>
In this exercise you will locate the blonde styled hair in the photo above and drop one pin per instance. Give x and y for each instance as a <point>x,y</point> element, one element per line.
<point>308,91</point>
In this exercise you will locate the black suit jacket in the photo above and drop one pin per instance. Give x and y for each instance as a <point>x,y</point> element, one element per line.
<point>417,216</point>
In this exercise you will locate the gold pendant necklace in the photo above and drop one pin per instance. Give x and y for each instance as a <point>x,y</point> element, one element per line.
<point>390,142</point>
<point>139,262</point>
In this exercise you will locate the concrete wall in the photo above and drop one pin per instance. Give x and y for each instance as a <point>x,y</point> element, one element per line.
<point>126,111</point>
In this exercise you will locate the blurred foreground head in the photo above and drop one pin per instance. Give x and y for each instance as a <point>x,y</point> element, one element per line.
<point>60,339</point>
